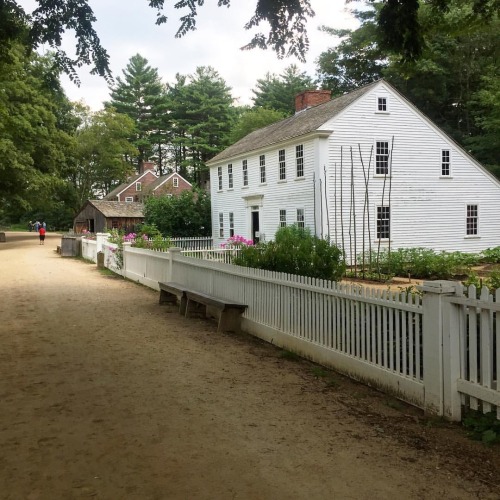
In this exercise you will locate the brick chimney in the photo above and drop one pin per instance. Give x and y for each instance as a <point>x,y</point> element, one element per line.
<point>310,98</point>
<point>147,165</point>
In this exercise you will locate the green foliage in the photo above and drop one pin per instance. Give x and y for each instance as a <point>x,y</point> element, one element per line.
<point>491,255</point>
<point>102,142</point>
<point>33,144</point>
<point>185,215</point>
<point>141,96</point>
<point>421,263</point>
<point>483,427</point>
<point>201,114</point>
<point>254,119</point>
<point>295,251</point>
<point>278,92</point>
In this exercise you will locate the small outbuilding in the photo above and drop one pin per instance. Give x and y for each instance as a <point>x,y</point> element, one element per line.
<point>97,216</point>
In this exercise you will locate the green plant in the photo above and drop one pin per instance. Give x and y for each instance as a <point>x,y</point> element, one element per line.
<point>491,255</point>
<point>296,251</point>
<point>483,427</point>
<point>319,372</point>
<point>290,355</point>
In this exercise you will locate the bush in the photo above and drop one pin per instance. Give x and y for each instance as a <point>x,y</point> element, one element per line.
<point>295,251</point>
<point>421,263</point>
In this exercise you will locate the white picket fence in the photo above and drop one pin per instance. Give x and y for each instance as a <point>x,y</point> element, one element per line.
<point>440,352</point>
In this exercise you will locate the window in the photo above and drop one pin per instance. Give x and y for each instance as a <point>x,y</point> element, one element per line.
<point>114,224</point>
<point>219,174</point>
<point>472,220</point>
<point>282,218</point>
<point>282,164</point>
<point>300,218</point>
<point>129,199</point>
<point>382,158</point>
<point>176,182</point>
<point>221,225</point>
<point>382,104</point>
<point>244,167</point>
<point>299,160</point>
<point>445,162</point>
<point>231,224</point>
<point>230,176</point>
<point>138,186</point>
<point>383,222</point>
<point>262,162</point>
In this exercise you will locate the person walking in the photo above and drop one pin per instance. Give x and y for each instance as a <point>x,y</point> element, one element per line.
<point>37,226</point>
<point>41,233</point>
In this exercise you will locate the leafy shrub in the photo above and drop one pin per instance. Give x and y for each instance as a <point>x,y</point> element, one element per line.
<point>295,251</point>
<point>421,263</point>
<point>491,255</point>
<point>483,427</point>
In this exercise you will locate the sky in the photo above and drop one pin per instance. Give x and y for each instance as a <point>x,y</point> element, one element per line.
<point>127,27</point>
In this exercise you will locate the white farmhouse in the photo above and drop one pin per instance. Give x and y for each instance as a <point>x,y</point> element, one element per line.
<point>367,169</point>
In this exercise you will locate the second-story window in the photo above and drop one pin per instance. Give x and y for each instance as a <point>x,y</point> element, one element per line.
<point>176,182</point>
<point>262,163</point>
<point>282,164</point>
<point>244,169</point>
<point>382,158</point>
<point>230,176</point>
<point>299,160</point>
<point>138,186</point>
<point>219,175</point>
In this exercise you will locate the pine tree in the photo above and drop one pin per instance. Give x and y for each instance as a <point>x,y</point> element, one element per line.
<point>141,96</point>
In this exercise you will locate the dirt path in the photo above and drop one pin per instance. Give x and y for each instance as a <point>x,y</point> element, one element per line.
<point>105,394</point>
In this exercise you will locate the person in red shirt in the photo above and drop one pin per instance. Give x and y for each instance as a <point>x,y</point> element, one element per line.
<point>41,233</point>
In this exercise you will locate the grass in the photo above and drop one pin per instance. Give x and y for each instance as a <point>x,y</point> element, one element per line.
<point>291,356</point>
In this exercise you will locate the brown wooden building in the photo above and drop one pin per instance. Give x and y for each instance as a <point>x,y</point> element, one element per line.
<point>97,216</point>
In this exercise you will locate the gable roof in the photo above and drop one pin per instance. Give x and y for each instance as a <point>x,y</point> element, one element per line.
<point>302,123</point>
<point>118,208</point>
<point>163,179</point>
<point>119,189</point>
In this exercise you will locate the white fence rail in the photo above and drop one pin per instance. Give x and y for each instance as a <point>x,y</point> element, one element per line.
<point>89,249</point>
<point>440,352</point>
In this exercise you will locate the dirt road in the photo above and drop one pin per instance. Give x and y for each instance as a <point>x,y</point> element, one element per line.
<point>104,394</point>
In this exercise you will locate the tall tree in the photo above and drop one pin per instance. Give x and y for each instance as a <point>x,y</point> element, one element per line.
<point>99,157</point>
<point>202,117</point>
<point>278,92</point>
<point>250,119</point>
<point>358,59</point>
<point>33,145</point>
<point>141,96</point>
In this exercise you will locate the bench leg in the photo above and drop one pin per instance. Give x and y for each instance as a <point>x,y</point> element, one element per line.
<point>183,305</point>
<point>230,321</point>
<point>167,297</point>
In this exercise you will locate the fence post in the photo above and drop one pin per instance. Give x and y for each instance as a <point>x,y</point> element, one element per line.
<point>173,253</point>
<point>439,356</point>
<point>100,238</point>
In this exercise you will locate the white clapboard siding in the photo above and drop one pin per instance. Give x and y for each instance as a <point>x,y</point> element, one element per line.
<point>273,195</point>
<point>427,210</point>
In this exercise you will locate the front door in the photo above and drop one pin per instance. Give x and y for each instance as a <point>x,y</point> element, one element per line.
<point>255,227</point>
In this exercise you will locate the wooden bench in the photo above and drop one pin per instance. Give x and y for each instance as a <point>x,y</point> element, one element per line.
<point>226,312</point>
<point>173,293</point>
